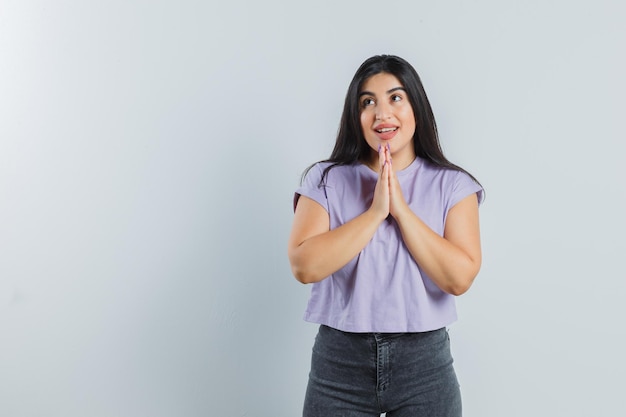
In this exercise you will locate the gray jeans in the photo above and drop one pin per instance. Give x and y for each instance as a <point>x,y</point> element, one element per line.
<point>366,374</point>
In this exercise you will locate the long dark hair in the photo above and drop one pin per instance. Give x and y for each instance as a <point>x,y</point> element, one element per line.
<point>351,147</point>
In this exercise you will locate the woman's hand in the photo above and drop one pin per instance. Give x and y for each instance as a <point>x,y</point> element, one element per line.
<point>397,203</point>
<point>388,197</point>
<point>381,201</point>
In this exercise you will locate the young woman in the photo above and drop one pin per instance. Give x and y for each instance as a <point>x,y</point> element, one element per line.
<point>387,231</point>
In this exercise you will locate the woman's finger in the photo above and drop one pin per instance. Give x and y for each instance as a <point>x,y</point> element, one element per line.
<point>381,158</point>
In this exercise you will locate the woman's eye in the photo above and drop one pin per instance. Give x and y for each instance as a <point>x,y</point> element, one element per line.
<point>396,97</point>
<point>368,102</point>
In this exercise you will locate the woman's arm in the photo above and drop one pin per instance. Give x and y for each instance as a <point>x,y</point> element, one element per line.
<point>451,261</point>
<point>315,252</point>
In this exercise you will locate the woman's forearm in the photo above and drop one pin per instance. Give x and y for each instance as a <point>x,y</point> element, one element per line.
<point>319,256</point>
<point>451,265</point>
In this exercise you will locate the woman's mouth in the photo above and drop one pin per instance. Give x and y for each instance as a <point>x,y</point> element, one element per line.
<point>386,133</point>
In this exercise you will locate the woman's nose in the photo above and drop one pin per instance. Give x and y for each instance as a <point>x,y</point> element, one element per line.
<point>383,112</point>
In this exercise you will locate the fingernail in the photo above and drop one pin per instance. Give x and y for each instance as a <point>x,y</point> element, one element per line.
<point>389,147</point>
<point>379,147</point>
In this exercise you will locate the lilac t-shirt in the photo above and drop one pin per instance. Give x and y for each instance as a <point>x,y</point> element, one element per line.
<point>383,289</point>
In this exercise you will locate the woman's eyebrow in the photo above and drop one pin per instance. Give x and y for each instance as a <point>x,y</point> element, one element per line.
<point>396,89</point>
<point>369,93</point>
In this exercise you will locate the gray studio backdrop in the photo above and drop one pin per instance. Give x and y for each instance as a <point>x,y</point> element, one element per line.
<point>148,155</point>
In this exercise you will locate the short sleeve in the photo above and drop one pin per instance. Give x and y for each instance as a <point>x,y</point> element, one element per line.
<point>312,188</point>
<point>464,186</point>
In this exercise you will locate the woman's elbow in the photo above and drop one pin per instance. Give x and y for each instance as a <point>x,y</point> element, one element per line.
<point>461,285</point>
<point>301,267</point>
<point>300,270</point>
<point>306,276</point>
<point>459,288</point>
<point>301,275</point>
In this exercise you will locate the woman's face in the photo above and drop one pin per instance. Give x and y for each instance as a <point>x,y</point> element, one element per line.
<point>387,119</point>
